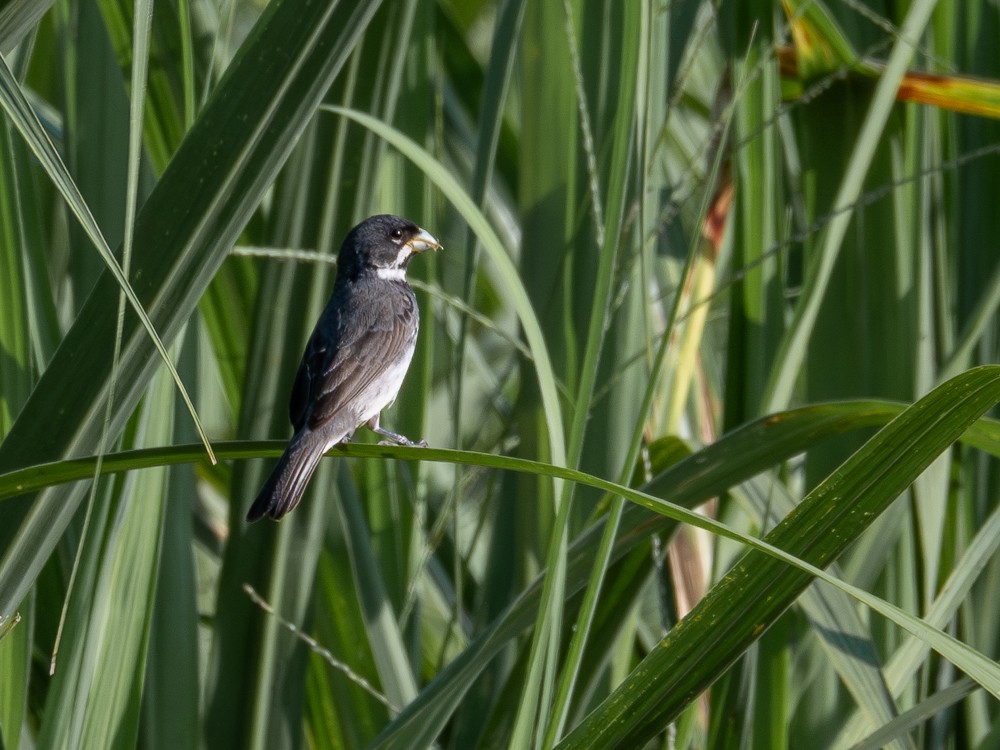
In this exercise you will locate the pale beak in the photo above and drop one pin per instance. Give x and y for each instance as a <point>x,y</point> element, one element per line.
<point>424,241</point>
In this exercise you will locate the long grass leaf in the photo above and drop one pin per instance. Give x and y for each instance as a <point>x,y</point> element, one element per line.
<point>700,647</point>
<point>16,106</point>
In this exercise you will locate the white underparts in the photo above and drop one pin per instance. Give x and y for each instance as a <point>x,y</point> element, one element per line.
<point>385,387</point>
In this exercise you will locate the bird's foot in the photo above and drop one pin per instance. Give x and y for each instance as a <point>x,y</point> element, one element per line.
<point>400,440</point>
<point>392,438</point>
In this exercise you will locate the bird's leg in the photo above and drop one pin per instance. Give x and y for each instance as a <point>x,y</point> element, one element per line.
<point>393,438</point>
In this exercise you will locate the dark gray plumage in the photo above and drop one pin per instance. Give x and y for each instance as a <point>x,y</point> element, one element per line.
<point>356,358</point>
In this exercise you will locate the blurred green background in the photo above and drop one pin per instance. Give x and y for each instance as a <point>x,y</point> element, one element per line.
<point>697,255</point>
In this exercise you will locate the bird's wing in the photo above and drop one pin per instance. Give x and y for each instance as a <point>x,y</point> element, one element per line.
<point>342,361</point>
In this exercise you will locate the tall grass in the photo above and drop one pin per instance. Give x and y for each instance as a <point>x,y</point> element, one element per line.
<point>708,326</point>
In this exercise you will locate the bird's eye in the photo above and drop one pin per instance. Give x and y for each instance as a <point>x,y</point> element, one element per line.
<point>397,234</point>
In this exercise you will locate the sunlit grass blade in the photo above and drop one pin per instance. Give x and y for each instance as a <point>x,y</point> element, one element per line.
<point>131,569</point>
<point>188,224</point>
<point>797,433</point>
<point>920,713</point>
<point>16,106</point>
<point>759,445</point>
<point>17,19</point>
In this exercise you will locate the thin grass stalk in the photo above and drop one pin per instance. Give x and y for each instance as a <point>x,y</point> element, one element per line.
<point>610,240</point>
<point>602,558</point>
<point>534,711</point>
<point>548,196</point>
<point>143,20</point>
<point>17,631</point>
<point>188,82</point>
<point>496,88</point>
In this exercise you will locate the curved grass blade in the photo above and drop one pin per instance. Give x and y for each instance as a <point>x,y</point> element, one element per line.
<point>736,456</point>
<point>909,657</point>
<point>920,713</point>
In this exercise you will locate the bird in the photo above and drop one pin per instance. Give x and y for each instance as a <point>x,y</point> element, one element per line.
<point>356,358</point>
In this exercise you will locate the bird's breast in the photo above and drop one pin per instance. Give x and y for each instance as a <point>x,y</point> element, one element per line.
<point>401,302</point>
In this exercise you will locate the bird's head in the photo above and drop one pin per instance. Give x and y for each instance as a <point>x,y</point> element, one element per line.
<point>384,244</point>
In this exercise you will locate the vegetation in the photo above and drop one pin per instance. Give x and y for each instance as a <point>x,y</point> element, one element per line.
<point>714,320</point>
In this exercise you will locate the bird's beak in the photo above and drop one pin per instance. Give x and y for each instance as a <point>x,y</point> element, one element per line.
<point>424,241</point>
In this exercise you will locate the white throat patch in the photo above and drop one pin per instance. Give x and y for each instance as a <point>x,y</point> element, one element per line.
<point>394,274</point>
<point>397,272</point>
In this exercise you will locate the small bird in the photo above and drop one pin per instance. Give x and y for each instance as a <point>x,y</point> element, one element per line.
<point>356,357</point>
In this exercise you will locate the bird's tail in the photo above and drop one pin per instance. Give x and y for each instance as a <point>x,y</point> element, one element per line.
<point>284,488</point>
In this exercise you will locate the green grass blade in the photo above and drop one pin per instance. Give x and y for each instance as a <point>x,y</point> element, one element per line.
<point>387,643</point>
<point>494,597</point>
<point>922,712</point>
<point>910,656</point>
<point>15,667</point>
<point>785,371</point>
<point>96,695</point>
<point>845,639</point>
<point>15,338</point>
<point>17,19</point>
<point>758,445</point>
